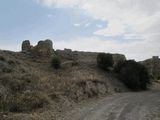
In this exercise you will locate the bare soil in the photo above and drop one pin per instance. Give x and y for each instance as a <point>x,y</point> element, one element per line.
<point>124,106</point>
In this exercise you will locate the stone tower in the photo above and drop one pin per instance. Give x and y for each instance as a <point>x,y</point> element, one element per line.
<point>26,46</point>
<point>43,48</point>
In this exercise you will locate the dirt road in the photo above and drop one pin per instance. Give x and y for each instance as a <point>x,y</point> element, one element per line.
<point>124,106</point>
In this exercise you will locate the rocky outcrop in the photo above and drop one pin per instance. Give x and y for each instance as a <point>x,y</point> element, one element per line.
<point>43,48</point>
<point>153,66</point>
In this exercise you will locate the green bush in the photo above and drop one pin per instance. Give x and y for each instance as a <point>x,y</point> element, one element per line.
<point>104,61</point>
<point>134,75</point>
<point>56,62</point>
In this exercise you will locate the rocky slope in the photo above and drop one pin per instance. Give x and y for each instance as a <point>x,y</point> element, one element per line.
<point>31,89</point>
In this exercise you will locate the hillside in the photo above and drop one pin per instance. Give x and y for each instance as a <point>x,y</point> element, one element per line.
<point>31,89</point>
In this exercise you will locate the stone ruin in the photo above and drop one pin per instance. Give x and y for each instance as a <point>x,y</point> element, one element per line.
<point>153,66</point>
<point>118,58</point>
<point>26,46</point>
<point>67,54</point>
<point>43,48</point>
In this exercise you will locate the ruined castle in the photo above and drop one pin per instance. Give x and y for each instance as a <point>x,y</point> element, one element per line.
<point>43,48</point>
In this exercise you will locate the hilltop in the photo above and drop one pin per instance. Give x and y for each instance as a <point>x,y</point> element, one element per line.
<point>31,89</point>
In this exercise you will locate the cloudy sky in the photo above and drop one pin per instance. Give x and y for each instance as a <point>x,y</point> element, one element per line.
<point>130,27</point>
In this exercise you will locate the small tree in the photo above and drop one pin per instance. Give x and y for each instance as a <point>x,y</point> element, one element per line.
<point>104,61</point>
<point>134,75</point>
<point>56,62</point>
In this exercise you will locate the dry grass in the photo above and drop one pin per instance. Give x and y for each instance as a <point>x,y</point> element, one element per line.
<point>31,83</point>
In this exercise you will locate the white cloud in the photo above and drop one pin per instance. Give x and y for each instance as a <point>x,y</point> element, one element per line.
<point>58,3</point>
<point>83,23</point>
<point>51,16</point>
<point>99,25</point>
<point>77,24</point>
<point>87,24</point>
<point>139,15</point>
<point>132,18</point>
<point>114,28</point>
<point>133,37</point>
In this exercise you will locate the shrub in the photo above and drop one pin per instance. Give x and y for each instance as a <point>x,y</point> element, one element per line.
<point>20,92</point>
<point>75,63</point>
<point>104,61</point>
<point>56,63</point>
<point>5,68</point>
<point>2,58</point>
<point>134,75</point>
<point>23,102</point>
<point>19,83</point>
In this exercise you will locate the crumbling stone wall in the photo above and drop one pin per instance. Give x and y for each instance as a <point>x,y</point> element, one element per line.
<point>67,54</point>
<point>118,58</point>
<point>43,48</point>
<point>153,66</point>
<point>26,46</point>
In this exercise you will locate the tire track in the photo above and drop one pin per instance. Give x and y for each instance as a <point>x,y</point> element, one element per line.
<point>124,106</point>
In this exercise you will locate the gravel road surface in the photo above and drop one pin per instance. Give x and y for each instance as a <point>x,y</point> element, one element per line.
<point>123,106</point>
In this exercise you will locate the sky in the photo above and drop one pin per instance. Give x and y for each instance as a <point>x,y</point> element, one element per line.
<point>129,27</point>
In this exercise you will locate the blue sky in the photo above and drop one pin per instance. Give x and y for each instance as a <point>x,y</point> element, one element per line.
<point>130,27</point>
<point>24,19</point>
